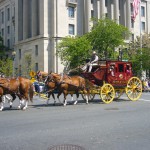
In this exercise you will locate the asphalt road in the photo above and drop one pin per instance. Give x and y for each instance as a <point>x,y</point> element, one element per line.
<point>121,125</point>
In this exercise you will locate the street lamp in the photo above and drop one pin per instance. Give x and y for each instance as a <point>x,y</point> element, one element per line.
<point>13,58</point>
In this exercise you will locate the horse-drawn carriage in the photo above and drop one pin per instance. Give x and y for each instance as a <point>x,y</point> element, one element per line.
<point>112,79</point>
<point>109,79</point>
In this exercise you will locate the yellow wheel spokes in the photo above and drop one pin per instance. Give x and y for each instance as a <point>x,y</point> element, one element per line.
<point>134,89</point>
<point>107,93</point>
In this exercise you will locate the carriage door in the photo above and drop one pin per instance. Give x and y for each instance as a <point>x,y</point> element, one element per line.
<point>121,71</point>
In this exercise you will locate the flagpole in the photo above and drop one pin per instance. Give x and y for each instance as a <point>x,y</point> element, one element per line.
<point>140,36</point>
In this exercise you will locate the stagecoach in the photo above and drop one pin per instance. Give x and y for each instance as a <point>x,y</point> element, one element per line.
<point>111,80</point>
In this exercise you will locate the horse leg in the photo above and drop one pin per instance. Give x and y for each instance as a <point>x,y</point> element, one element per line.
<point>53,97</point>
<point>59,93</point>
<point>65,95</point>
<point>49,94</point>
<point>20,104</point>
<point>26,105</point>
<point>86,97</point>
<point>1,104</point>
<point>11,99</point>
<point>77,96</point>
<point>2,99</point>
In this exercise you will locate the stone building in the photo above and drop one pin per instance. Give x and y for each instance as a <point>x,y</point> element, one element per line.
<point>40,25</point>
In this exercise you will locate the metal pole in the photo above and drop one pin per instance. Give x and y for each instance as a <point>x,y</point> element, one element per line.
<point>140,36</point>
<point>13,67</point>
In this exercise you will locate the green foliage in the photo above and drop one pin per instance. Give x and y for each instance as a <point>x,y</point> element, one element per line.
<point>27,65</point>
<point>6,67</point>
<point>74,50</point>
<point>140,54</point>
<point>106,34</point>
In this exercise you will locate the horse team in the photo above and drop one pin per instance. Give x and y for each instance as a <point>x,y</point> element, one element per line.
<point>24,89</point>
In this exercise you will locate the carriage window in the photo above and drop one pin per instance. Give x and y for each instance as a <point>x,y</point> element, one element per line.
<point>121,67</point>
<point>128,67</point>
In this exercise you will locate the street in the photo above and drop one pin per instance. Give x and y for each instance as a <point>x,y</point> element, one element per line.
<point>120,125</point>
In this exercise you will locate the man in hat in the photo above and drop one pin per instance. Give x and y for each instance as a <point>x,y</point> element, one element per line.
<point>93,61</point>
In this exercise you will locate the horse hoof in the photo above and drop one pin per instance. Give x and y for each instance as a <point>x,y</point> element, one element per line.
<point>10,107</point>
<point>24,108</point>
<point>19,107</point>
<point>75,103</point>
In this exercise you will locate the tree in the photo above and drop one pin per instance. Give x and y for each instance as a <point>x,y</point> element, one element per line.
<point>140,54</point>
<point>105,35</point>
<point>27,65</point>
<point>6,67</point>
<point>74,50</point>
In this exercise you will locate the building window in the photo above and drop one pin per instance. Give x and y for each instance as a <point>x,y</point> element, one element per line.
<point>19,70</point>
<point>92,13</point>
<point>36,67</point>
<point>131,8</point>
<point>2,32</point>
<point>2,16</point>
<point>106,15</point>
<point>91,1</point>
<point>8,43</point>
<point>71,29</point>
<point>8,14</point>
<point>8,29</point>
<point>71,12</point>
<point>143,26</point>
<point>36,50</point>
<point>132,23</point>
<point>19,53</point>
<point>142,11</point>
<point>106,3</point>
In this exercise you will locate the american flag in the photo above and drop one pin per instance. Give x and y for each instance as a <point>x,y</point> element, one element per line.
<point>135,4</point>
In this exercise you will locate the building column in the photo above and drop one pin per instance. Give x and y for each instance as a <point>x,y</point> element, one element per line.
<point>87,15</point>
<point>25,19</point>
<point>109,9</point>
<point>102,8</point>
<point>19,19</point>
<point>128,12</point>
<point>116,11</point>
<point>95,8</point>
<point>34,18</point>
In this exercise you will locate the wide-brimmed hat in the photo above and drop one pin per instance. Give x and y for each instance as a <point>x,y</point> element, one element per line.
<point>94,52</point>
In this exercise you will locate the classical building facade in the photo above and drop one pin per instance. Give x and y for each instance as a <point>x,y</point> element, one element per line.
<point>40,25</point>
<point>7,22</point>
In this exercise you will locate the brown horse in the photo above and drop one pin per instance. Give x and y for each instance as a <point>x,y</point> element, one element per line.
<point>67,84</point>
<point>51,86</point>
<point>20,86</point>
<point>41,75</point>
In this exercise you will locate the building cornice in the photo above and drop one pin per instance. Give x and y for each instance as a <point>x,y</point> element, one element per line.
<point>2,1</point>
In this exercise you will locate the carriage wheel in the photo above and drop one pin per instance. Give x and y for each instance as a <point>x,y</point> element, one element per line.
<point>134,88</point>
<point>107,93</point>
<point>118,93</point>
<point>91,96</point>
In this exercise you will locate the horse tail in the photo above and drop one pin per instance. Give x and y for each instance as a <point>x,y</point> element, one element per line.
<point>31,92</point>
